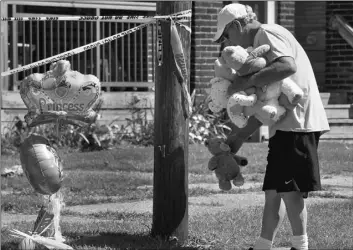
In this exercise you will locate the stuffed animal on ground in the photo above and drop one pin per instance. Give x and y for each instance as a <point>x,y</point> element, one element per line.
<point>225,164</point>
<point>260,102</point>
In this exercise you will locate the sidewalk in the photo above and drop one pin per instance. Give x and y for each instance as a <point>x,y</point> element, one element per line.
<point>342,186</point>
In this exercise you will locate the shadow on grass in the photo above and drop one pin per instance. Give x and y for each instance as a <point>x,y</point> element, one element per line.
<point>14,246</point>
<point>123,241</point>
<point>9,246</point>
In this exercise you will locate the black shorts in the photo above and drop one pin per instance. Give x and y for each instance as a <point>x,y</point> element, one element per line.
<point>293,163</point>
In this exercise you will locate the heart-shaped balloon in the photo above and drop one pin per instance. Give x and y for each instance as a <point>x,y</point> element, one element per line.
<point>41,164</point>
<point>60,94</point>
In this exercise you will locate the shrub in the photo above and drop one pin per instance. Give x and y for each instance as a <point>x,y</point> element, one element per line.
<point>137,130</point>
<point>203,124</point>
<point>12,136</point>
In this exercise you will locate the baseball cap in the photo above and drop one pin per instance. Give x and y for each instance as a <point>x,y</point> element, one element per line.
<point>228,14</point>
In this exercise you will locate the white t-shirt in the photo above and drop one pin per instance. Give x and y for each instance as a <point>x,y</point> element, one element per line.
<point>309,115</point>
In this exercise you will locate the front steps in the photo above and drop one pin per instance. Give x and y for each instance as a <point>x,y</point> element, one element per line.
<point>340,117</point>
<point>339,111</point>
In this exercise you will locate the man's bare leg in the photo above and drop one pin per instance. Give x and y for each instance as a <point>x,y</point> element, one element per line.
<point>272,219</point>
<point>297,215</point>
<point>273,215</point>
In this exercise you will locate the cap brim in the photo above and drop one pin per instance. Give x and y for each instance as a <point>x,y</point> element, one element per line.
<point>218,35</point>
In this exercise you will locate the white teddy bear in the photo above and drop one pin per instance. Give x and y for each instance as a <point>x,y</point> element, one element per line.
<point>262,103</point>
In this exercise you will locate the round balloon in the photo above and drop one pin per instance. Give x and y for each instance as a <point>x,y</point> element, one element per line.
<point>41,164</point>
<point>60,93</point>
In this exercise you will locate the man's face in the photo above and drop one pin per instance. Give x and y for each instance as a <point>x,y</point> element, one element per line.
<point>233,35</point>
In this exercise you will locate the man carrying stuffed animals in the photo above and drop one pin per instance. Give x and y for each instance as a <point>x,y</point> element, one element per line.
<point>292,163</point>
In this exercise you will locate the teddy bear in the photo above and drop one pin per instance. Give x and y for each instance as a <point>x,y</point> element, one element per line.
<point>224,76</point>
<point>260,102</point>
<point>225,164</point>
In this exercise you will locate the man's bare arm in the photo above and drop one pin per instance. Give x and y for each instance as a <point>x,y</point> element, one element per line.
<point>276,71</point>
<point>236,141</point>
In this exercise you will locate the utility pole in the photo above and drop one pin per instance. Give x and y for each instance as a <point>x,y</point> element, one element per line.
<point>170,182</point>
<point>2,47</point>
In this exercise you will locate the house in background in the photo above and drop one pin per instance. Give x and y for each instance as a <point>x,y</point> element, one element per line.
<point>324,29</point>
<point>128,59</point>
<point>124,66</point>
<point>310,21</point>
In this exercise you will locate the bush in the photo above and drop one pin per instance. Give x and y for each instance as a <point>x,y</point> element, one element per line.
<point>138,130</point>
<point>14,134</point>
<point>203,124</point>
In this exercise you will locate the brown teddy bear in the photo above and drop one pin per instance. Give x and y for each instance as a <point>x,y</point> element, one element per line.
<point>225,164</point>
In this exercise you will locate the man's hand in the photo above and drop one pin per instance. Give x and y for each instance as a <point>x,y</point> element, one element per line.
<point>238,84</point>
<point>283,101</point>
<point>281,68</point>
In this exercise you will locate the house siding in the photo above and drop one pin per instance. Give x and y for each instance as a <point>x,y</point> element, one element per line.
<point>310,30</point>
<point>286,15</point>
<point>203,51</point>
<point>339,61</point>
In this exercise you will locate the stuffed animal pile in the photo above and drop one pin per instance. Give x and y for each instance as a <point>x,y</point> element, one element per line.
<point>259,102</point>
<point>263,103</point>
<point>225,164</point>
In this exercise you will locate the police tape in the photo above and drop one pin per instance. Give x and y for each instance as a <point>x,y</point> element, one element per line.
<point>187,28</point>
<point>159,43</point>
<point>75,51</point>
<point>186,13</point>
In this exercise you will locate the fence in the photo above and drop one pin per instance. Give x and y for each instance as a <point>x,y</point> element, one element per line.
<point>124,66</point>
<point>129,59</point>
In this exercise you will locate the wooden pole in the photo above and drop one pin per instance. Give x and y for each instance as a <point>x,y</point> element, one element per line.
<point>170,182</point>
<point>2,31</point>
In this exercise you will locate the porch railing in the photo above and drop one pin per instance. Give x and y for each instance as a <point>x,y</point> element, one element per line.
<point>123,64</point>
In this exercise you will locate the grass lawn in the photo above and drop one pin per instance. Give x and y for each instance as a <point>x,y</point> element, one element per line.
<point>117,174</point>
<point>329,228</point>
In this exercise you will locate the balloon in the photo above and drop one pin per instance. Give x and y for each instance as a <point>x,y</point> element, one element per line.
<point>60,94</point>
<point>27,244</point>
<point>41,164</point>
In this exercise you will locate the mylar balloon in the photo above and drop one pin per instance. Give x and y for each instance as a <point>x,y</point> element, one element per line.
<point>60,94</point>
<point>41,164</point>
